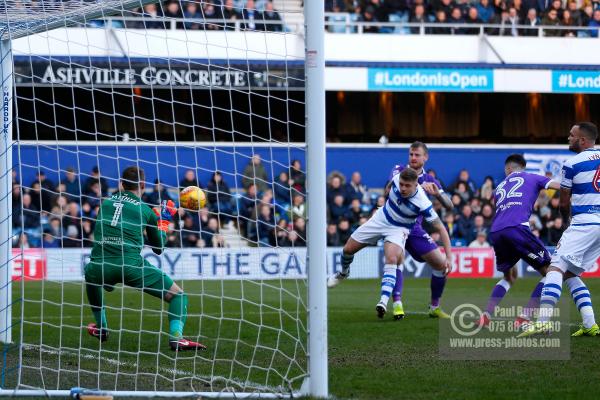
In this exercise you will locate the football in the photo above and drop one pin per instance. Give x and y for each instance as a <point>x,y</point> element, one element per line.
<point>192,198</point>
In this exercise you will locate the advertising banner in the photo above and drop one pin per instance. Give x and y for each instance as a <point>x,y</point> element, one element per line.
<point>431,79</point>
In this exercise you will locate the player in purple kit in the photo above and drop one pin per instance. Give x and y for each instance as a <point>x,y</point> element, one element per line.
<point>419,244</point>
<point>510,234</point>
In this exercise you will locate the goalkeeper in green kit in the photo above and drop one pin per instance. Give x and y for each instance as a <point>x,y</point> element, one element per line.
<point>116,258</point>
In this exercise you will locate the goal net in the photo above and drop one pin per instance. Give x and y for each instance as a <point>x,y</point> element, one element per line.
<point>195,93</point>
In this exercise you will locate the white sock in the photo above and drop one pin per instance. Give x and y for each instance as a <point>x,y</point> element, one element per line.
<point>387,282</point>
<point>582,299</point>
<point>550,295</point>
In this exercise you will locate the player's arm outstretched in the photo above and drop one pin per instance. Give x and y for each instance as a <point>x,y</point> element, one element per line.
<point>158,226</point>
<point>439,227</point>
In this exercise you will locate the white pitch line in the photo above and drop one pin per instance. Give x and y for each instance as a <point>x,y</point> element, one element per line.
<point>170,371</point>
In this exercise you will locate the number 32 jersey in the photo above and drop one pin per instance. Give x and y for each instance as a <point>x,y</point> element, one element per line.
<point>120,225</point>
<point>515,197</point>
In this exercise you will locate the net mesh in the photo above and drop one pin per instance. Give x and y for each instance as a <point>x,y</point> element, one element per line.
<point>192,100</point>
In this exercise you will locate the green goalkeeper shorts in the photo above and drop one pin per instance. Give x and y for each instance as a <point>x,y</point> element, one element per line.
<point>147,277</point>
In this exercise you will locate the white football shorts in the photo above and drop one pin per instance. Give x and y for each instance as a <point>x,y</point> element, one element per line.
<point>578,249</point>
<point>378,227</point>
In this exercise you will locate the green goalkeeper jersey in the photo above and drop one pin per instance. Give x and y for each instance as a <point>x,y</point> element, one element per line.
<point>119,231</point>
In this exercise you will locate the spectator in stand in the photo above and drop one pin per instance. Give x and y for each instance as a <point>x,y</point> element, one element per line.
<point>450,224</point>
<point>464,176</point>
<point>473,18</point>
<point>210,235</point>
<point>463,192</point>
<point>465,224</point>
<point>158,194</point>
<point>500,18</point>
<point>255,173</point>
<point>567,21</point>
<point>272,16</point>
<point>337,22</point>
<point>300,229</point>
<point>333,239</point>
<point>292,240</point>
<point>532,21</point>
<point>264,225</point>
<point>23,241</point>
<point>87,233</point>
<point>488,214</point>
<point>93,196</point>
<point>555,231</point>
<point>480,241</point>
<point>513,21</point>
<point>49,241</point>
<point>446,6</point>
<point>73,216</point>
<point>520,8</point>
<point>298,208</point>
<point>189,235</point>
<point>336,187</point>
<point>189,179</point>
<point>586,17</point>
<point>96,178</point>
<point>338,210</point>
<point>595,23</point>
<point>219,197</point>
<point>48,191</point>
<point>192,13</point>
<point>211,13</point>
<point>456,18</point>
<point>575,11</point>
<point>333,5</point>
<point>440,17</point>
<point>279,233</point>
<point>247,202</point>
<point>297,176</point>
<point>356,190</point>
<point>16,206</point>
<point>28,217</point>
<point>487,189</point>
<point>282,189</point>
<point>72,238</point>
<point>418,16</point>
<point>556,5</point>
<point>250,17</point>
<point>172,10</point>
<point>368,15</point>
<point>72,185</point>
<point>551,19</point>
<point>500,6</point>
<point>173,237</point>
<point>355,213</point>
<point>478,225</point>
<point>230,15</point>
<point>475,204</point>
<point>150,12</point>
<point>485,10</point>
<point>344,230</point>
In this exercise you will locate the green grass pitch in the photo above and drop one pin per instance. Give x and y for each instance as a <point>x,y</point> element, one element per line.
<point>368,358</point>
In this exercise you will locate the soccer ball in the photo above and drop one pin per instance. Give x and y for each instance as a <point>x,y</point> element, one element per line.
<point>192,198</point>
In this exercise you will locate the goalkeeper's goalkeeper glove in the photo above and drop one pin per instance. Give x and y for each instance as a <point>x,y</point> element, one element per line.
<point>165,214</point>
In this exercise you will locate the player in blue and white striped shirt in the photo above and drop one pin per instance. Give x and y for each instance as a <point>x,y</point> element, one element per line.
<point>579,247</point>
<point>406,202</point>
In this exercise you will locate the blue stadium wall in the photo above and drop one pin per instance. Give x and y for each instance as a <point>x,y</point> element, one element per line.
<point>169,162</point>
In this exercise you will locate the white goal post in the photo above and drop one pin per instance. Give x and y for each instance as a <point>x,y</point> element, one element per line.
<point>255,361</point>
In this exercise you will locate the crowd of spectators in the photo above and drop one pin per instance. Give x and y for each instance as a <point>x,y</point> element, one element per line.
<point>259,15</point>
<point>265,213</point>
<point>513,17</point>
